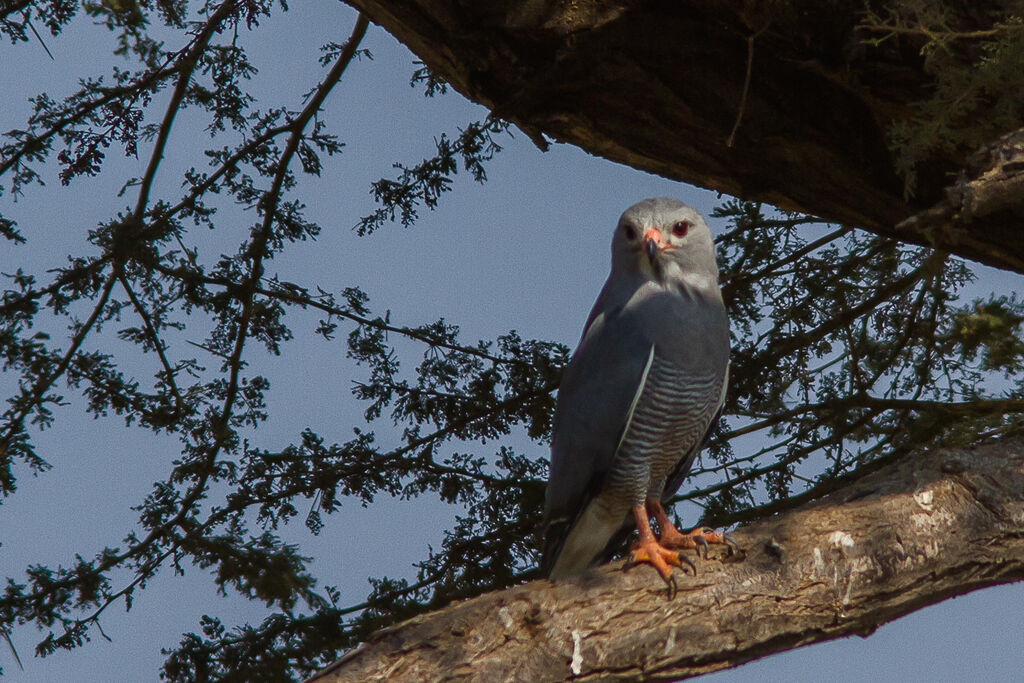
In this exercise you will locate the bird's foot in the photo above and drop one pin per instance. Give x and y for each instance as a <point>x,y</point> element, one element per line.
<point>652,553</point>
<point>698,539</point>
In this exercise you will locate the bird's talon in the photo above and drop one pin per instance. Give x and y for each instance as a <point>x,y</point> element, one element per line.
<point>649,551</point>
<point>684,560</point>
<point>703,537</point>
<point>732,545</point>
<point>673,588</point>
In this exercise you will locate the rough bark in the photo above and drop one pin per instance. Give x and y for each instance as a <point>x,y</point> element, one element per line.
<point>660,86</point>
<point>917,531</point>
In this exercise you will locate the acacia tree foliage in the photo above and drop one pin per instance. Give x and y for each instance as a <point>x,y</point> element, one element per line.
<point>849,349</point>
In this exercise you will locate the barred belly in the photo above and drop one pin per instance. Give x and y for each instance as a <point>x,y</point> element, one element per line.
<point>668,420</point>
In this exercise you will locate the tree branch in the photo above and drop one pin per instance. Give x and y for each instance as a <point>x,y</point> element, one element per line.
<point>30,398</point>
<point>81,111</point>
<point>324,303</point>
<point>573,72</point>
<point>185,67</point>
<point>154,338</point>
<point>924,528</point>
<point>990,192</point>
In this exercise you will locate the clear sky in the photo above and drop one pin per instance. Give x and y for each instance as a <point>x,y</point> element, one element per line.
<point>528,251</point>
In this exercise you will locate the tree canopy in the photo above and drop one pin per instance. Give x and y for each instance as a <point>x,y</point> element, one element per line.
<point>851,349</point>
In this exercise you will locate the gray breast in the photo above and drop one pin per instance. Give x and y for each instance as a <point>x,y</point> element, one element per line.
<point>667,422</point>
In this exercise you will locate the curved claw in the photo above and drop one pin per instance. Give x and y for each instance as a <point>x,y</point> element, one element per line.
<point>705,535</point>
<point>672,588</point>
<point>683,559</point>
<point>701,543</point>
<point>731,544</point>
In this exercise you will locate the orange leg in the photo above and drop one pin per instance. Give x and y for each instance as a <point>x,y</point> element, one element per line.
<point>648,550</point>
<point>698,538</point>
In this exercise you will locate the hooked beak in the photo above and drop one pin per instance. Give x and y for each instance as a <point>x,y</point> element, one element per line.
<point>652,244</point>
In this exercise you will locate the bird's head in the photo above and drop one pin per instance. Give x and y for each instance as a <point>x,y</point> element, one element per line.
<point>665,240</point>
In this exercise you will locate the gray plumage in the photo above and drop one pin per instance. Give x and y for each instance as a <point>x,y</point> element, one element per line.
<point>643,387</point>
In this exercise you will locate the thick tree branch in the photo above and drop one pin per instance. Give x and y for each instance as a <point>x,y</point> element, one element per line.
<point>988,193</point>
<point>659,86</point>
<point>924,528</point>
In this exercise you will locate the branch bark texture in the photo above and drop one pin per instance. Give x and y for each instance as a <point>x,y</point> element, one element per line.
<point>779,102</point>
<point>917,531</point>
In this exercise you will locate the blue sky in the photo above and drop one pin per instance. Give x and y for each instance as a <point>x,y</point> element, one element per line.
<point>528,251</point>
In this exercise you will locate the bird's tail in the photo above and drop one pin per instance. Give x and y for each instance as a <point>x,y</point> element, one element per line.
<point>571,553</point>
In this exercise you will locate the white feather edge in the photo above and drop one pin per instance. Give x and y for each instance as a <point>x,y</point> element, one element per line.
<point>636,398</point>
<point>725,385</point>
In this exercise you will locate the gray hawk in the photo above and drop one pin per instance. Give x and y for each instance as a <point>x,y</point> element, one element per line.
<point>639,395</point>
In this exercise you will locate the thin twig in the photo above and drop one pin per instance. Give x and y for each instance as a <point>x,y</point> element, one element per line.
<point>185,67</point>
<point>746,83</point>
<point>730,285</point>
<point>44,383</point>
<point>28,23</point>
<point>154,337</point>
<point>789,343</point>
<point>937,36</point>
<point>793,457</point>
<point>82,110</point>
<point>67,276</point>
<point>307,301</point>
<point>10,643</point>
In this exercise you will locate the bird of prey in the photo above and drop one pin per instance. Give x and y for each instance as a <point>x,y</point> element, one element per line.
<point>639,395</point>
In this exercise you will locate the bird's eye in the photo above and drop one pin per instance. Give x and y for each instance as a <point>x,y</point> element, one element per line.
<point>680,228</point>
<point>629,231</point>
